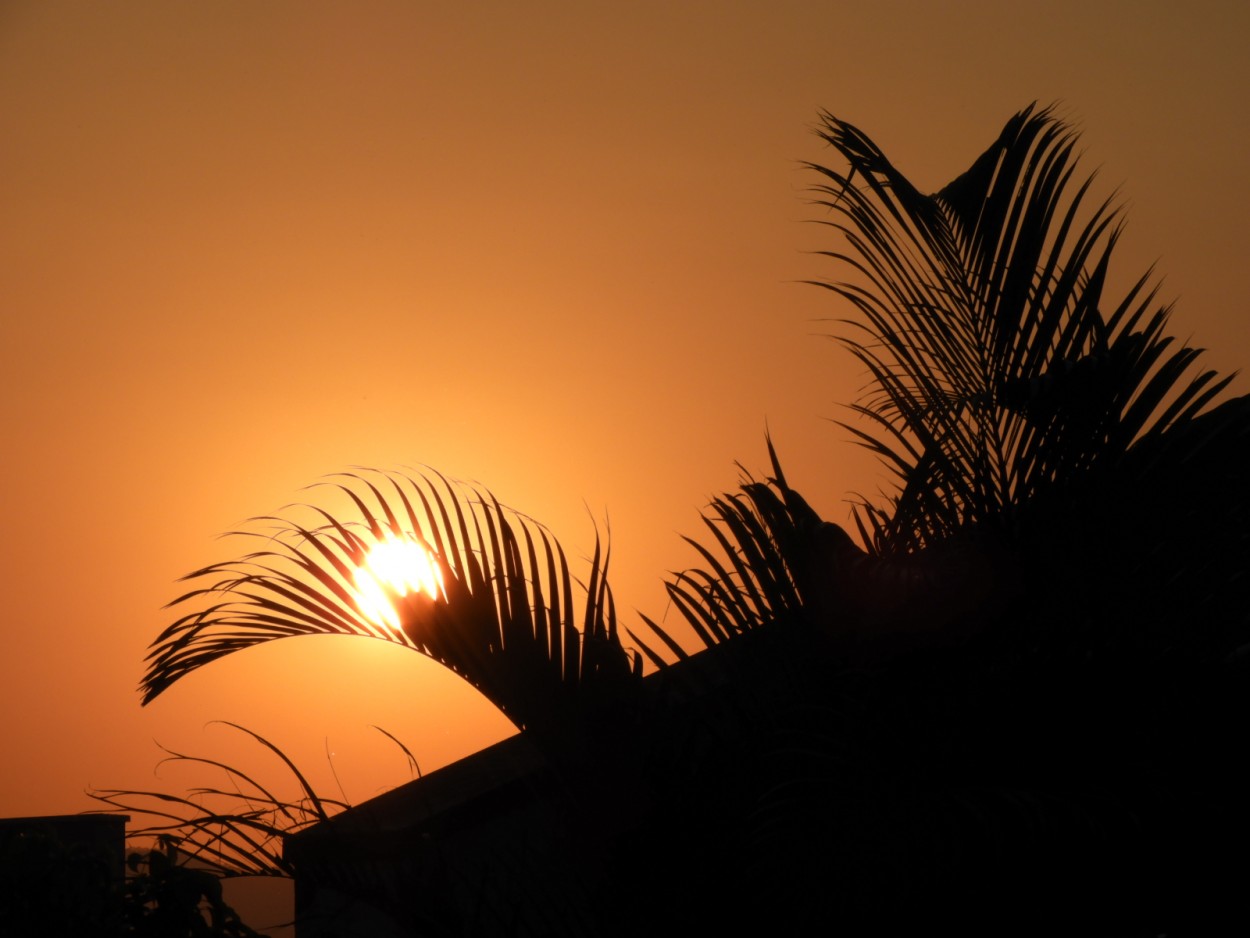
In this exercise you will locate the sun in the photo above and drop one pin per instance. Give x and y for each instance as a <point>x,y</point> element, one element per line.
<point>394,568</point>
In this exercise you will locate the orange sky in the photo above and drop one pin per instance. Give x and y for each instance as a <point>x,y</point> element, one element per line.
<point>551,249</point>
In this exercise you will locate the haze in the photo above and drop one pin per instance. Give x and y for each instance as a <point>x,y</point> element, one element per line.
<point>553,247</point>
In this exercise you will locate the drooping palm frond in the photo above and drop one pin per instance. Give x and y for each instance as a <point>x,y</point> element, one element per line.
<point>997,368</point>
<point>502,615</point>
<point>235,830</point>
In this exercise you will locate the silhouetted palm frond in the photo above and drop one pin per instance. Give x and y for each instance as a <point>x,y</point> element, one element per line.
<point>753,575</point>
<point>235,830</point>
<point>503,614</point>
<point>998,370</point>
<point>1004,387</point>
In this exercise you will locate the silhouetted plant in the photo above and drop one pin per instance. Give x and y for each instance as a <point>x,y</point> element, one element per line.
<point>999,371</point>
<point>1018,696</point>
<point>166,898</point>
<point>188,844</point>
<point>753,575</point>
<point>1005,391</point>
<point>234,830</point>
<point>504,617</point>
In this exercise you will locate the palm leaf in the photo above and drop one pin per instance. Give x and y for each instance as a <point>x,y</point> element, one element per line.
<point>753,576</point>
<point>504,618</point>
<point>995,375</point>
<point>235,830</point>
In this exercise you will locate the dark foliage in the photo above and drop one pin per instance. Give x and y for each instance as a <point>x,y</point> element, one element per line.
<point>169,899</point>
<point>1017,711</point>
<point>505,617</point>
<point>1013,707</point>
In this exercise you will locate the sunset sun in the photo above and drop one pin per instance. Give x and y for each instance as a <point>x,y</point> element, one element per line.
<point>394,568</point>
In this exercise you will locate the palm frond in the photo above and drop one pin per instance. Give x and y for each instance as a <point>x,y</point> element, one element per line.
<point>235,830</point>
<point>502,614</point>
<point>754,574</point>
<point>996,373</point>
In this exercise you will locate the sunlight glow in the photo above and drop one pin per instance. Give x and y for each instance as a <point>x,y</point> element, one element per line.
<point>392,569</point>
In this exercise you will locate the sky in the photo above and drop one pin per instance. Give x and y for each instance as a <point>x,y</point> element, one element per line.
<point>556,248</point>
